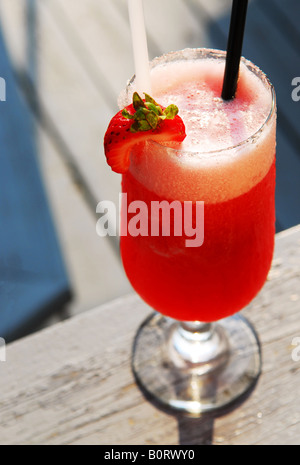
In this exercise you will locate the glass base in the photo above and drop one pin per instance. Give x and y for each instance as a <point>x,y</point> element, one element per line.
<point>195,368</point>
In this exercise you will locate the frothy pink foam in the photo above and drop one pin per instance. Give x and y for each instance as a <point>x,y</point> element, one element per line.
<point>193,172</point>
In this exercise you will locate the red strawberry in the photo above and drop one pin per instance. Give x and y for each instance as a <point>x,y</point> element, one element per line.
<point>142,120</point>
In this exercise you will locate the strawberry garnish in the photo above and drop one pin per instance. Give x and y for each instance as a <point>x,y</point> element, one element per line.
<point>138,122</point>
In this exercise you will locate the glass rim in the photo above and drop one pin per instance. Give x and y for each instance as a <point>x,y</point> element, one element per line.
<point>221,54</point>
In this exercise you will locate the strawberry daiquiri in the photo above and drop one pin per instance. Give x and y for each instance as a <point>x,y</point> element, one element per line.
<point>185,146</point>
<point>213,164</point>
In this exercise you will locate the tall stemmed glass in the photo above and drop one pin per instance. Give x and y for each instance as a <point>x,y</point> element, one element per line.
<point>196,352</point>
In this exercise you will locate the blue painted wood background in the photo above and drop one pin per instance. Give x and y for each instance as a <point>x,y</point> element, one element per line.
<point>33,278</point>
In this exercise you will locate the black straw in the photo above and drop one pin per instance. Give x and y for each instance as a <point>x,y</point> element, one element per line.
<point>234,48</point>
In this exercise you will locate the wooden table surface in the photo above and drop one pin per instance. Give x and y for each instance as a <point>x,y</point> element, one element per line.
<point>72,383</point>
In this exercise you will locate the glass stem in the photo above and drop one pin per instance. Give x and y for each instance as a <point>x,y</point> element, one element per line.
<point>201,346</point>
<point>196,330</point>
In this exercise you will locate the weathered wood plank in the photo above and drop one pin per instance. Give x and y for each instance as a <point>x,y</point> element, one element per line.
<point>72,383</point>
<point>99,37</point>
<point>208,13</point>
<point>94,267</point>
<point>170,26</point>
<point>287,15</point>
<point>173,26</point>
<point>67,96</point>
<point>287,182</point>
<point>211,11</point>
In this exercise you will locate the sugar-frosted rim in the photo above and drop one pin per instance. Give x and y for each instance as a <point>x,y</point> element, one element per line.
<point>193,53</point>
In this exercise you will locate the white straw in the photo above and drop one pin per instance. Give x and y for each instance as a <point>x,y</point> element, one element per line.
<point>140,47</point>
